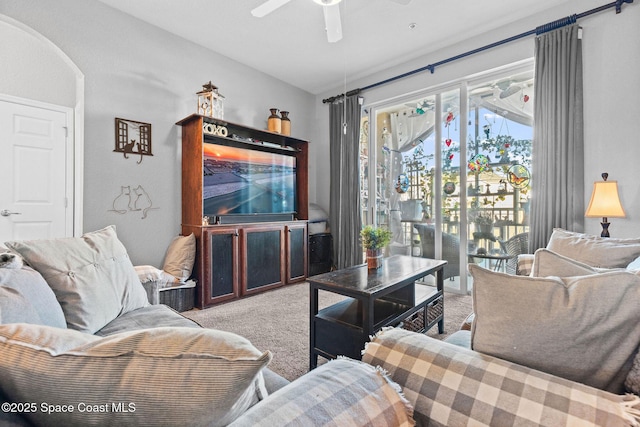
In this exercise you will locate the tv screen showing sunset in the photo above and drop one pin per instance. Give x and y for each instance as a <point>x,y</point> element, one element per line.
<point>242,181</point>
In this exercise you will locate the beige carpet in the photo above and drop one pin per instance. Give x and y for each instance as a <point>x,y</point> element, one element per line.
<point>278,320</point>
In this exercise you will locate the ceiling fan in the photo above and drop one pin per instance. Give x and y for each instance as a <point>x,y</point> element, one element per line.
<point>332,21</point>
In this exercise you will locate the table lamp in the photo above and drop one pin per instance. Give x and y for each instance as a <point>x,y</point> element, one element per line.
<point>605,203</point>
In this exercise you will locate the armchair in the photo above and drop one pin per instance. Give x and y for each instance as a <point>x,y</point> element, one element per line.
<point>516,245</point>
<point>450,248</point>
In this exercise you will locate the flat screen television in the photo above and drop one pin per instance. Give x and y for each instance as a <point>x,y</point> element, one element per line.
<point>239,181</point>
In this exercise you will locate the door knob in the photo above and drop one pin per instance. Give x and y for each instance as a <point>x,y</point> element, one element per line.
<point>6,212</point>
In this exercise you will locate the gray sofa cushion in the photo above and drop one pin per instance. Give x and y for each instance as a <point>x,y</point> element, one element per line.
<point>151,316</point>
<point>92,276</point>
<point>26,298</point>
<point>586,328</point>
<point>154,316</point>
<point>604,252</point>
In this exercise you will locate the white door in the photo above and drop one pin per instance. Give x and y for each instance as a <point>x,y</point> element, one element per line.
<point>34,164</point>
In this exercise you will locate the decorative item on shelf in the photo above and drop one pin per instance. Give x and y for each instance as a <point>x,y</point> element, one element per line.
<point>274,122</point>
<point>374,239</point>
<point>605,203</point>
<point>285,123</point>
<point>402,184</point>
<point>210,102</point>
<point>502,189</point>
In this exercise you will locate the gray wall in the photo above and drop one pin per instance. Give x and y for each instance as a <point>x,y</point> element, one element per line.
<point>136,71</point>
<point>31,69</point>
<point>611,53</point>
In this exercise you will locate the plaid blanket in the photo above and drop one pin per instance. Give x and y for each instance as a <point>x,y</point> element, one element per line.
<point>454,386</point>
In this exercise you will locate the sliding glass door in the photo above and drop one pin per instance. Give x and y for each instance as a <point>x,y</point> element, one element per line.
<point>448,171</point>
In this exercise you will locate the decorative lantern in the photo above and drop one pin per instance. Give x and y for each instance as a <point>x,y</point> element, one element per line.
<point>210,102</point>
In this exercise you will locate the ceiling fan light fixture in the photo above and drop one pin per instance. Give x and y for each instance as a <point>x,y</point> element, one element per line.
<point>327,2</point>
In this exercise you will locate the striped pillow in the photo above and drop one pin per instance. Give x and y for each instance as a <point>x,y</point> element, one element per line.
<point>160,376</point>
<point>342,392</point>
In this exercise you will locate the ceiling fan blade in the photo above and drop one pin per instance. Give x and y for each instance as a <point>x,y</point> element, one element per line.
<point>268,7</point>
<point>333,23</point>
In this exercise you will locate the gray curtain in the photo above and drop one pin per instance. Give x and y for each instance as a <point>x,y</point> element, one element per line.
<point>344,211</point>
<point>558,144</point>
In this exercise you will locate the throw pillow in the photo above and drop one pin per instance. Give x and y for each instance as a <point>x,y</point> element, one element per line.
<point>548,263</point>
<point>91,276</point>
<point>180,257</point>
<point>605,252</point>
<point>14,308</point>
<point>31,291</point>
<point>342,392</point>
<point>160,376</point>
<point>586,328</point>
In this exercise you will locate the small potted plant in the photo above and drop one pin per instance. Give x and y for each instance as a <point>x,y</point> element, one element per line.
<point>374,239</point>
<point>484,221</point>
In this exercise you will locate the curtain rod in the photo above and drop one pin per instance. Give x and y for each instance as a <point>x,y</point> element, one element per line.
<point>537,31</point>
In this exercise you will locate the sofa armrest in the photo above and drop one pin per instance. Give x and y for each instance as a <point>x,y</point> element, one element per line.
<point>451,385</point>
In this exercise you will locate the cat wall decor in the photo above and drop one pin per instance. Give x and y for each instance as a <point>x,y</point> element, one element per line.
<point>133,138</point>
<point>134,199</point>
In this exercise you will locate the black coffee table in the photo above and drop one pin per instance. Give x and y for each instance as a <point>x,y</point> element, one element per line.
<point>376,298</point>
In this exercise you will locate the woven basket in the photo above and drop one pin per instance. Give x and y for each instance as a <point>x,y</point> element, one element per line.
<point>434,310</point>
<point>180,299</point>
<point>416,322</point>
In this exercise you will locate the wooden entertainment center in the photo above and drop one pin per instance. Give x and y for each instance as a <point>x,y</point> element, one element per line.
<point>239,255</point>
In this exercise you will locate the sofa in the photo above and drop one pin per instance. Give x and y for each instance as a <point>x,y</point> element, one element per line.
<point>81,345</point>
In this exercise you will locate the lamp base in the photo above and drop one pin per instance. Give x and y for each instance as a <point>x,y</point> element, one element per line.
<point>605,228</point>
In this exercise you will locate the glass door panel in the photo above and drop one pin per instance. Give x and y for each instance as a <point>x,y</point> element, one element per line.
<point>448,172</point>
<point>498,169</point>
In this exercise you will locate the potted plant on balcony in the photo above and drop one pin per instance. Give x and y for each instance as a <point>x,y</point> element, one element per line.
<point>374,239</point>
<point>484,222</point>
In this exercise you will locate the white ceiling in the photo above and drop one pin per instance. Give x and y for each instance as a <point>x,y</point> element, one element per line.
<point>291,45</point>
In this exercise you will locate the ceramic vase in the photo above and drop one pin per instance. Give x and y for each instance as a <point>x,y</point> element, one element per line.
<point>274,122</point>
<point>286,123</point>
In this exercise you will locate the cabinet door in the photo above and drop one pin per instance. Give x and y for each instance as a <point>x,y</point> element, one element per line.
<point>320,248</point>
<point>220,264</point>
<point>296,252</point>
<point>263,258</point>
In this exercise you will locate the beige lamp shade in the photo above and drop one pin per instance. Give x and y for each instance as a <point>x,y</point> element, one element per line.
<point>605,201</point>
